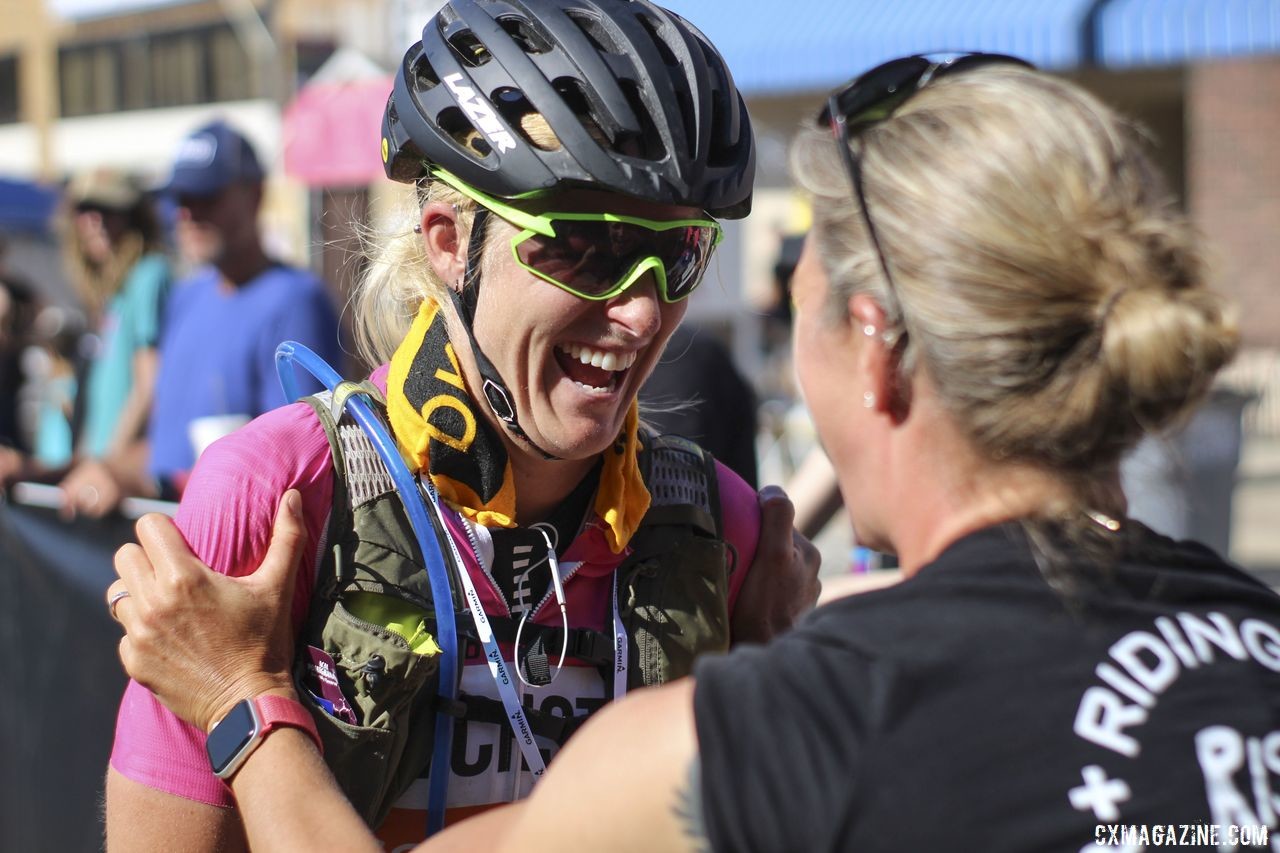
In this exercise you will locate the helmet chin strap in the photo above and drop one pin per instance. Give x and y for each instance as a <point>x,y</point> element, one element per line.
<point>494,389</point>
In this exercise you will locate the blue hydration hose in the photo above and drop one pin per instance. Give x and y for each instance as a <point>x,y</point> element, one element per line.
<point>291,353</point>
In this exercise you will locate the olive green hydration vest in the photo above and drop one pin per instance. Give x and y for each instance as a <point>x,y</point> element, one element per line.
<point>672,594</point>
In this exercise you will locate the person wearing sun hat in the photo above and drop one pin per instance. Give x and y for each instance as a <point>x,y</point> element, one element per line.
<point>124,278</point>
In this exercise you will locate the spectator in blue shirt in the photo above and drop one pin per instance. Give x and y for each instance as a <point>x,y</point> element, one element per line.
<point>224,320</point>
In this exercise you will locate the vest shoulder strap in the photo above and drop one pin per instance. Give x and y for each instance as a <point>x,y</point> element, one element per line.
<point>361,473</point>
<point>340,519</point>
<point>684,488</point>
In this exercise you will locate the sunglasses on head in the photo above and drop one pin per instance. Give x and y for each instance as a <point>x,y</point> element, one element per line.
<point>599,255</point>
<point>875,95</point>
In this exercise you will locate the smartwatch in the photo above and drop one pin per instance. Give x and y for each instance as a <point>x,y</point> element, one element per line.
<point>238,734</point>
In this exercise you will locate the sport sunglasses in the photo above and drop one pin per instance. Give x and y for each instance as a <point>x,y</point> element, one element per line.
<point>874,96</point>
<point>599,255</point>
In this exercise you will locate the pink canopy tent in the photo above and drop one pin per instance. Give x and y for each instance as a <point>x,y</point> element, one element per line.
<point>332,133</point>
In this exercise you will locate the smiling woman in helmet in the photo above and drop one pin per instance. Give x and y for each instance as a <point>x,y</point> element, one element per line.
<point>570,160</point>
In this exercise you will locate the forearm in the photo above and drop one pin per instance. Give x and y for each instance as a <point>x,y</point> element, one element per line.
<point>16,465</point>
<point>143,819</point>
<point>129,467</point>
<point>490,831</point>
<point>587,802</point>
<point>289,801</point>
<point>132,423</point>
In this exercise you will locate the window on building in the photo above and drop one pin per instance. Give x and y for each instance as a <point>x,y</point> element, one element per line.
<point>135,61</point>
<point>8,89</point>
<point>149,71</point>
<point>232,74</point>
<point>178,70</point>
<point>90,79</point>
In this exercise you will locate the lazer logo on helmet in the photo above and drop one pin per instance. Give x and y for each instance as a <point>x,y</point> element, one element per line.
<point>479,113</point>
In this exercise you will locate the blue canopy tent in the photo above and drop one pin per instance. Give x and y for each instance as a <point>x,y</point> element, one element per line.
<point>1169,32</point>
<point>815,44</point>
<point>25,207</point>
<point>802,45</point>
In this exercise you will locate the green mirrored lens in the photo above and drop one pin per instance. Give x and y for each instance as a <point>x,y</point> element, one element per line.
<point>598,259</point>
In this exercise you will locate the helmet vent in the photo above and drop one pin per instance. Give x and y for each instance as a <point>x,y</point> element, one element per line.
<point>664,49</point>
<point>535,130</point>
<point>686,116</point>
<point>529,39</point>
<point>528,122</point>
<point>424,76</point>
<point>469,49</point>
<point>648,143</point>
<point>591,28</point>
<point>720,156</point>
<point>575,98</point>
<point>454,122</point>
<point>407,165</point>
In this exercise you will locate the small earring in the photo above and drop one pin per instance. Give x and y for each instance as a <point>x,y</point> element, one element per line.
<point>417,228</point>
<point>868,399</point>
<point>869,330</point>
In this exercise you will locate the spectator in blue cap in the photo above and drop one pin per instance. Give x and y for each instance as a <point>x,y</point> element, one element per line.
<point>225,319</point>
<point>211,159</point>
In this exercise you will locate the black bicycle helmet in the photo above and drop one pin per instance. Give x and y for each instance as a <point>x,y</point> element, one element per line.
<point>642,104</point>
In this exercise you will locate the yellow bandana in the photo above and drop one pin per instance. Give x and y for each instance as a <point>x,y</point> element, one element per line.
<point>438,430</point>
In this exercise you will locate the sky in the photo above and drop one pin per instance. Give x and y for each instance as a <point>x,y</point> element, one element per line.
<point>76,9</point>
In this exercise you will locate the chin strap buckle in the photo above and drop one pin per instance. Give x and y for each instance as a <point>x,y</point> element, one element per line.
<point>499,401</point>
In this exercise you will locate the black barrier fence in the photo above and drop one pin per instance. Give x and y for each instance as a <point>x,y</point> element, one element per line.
<point>60,677</point>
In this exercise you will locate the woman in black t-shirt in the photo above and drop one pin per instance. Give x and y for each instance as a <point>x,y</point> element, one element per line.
<point>997,299</point>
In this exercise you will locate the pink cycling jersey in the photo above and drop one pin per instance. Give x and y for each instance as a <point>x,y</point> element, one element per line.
<point>226,517</point>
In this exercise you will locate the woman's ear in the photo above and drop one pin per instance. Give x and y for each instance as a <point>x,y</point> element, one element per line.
<point>877,358</point>
<point>446,249</point>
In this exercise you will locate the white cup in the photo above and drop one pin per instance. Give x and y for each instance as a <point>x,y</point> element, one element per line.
<point>205,431</point>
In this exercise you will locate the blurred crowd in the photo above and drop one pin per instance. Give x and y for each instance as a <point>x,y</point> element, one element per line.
<point>180,310</point>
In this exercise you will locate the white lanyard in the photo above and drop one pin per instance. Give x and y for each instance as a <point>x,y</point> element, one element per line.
<point>619,647</point>
<point>497,666</point>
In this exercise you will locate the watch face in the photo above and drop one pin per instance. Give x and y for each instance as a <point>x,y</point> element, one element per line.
<point>230,736</point>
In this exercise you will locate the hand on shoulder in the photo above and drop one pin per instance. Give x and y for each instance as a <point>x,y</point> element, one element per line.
<point>201,641</point>
<point>782,583</point>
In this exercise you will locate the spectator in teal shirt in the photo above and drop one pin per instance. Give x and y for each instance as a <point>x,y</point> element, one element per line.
<point>124,278</point>
<point>120,377</point>
<point>115,260</point>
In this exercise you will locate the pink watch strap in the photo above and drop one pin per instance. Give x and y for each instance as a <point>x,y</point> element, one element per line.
<point>276,711</point>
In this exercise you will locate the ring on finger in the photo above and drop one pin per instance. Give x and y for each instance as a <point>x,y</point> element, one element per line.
<point>115,600</point>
